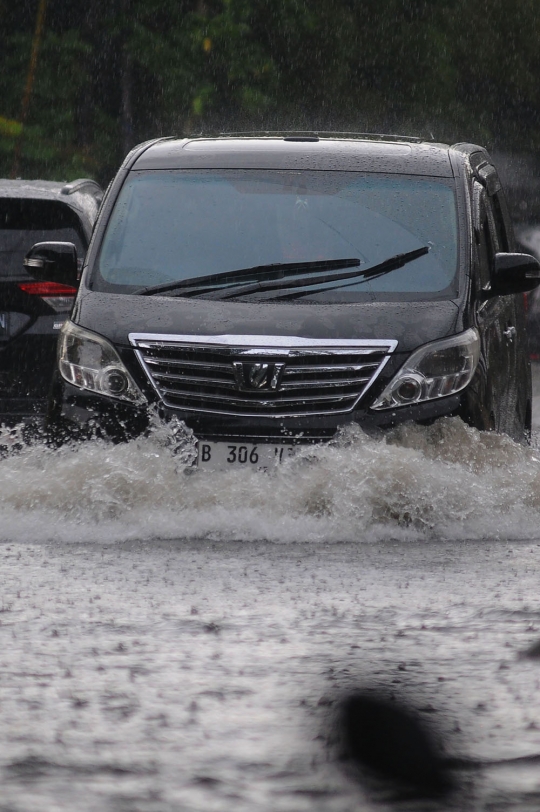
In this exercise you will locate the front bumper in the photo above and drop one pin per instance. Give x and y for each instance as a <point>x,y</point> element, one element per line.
<point>77,413</point>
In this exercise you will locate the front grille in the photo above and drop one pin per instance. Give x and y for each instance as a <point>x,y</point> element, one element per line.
<point>292,376</point>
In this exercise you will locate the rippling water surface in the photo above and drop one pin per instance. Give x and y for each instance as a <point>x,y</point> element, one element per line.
<point>180,641</point>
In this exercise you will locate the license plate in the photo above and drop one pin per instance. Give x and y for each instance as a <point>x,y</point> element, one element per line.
<point>226,456</point>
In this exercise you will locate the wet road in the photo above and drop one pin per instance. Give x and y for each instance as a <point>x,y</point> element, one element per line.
<point>173,642</point>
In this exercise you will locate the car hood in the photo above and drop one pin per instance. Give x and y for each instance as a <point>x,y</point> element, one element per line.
<point>115,316</point>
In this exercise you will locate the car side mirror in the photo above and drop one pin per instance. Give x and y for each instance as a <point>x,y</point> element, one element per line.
<point>53,262</point>
<point>514,273</point>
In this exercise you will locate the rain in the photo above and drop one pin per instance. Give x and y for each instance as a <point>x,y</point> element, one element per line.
<point>356,627</point>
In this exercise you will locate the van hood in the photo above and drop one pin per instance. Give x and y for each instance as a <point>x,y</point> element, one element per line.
<point>115,316</point>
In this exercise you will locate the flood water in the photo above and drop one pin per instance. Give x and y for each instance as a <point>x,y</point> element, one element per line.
<point>174,641</point>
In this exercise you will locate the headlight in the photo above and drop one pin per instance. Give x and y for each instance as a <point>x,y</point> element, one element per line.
<point>90,362</point>
<point>433,371</point>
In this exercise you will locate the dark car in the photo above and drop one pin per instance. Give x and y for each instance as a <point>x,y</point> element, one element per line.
<point>528,239</point>
<point>269,290</point>
<point>32,312</point>
<point>520,175</point>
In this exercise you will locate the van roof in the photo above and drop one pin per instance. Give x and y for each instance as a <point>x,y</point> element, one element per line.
<point>349,152</point>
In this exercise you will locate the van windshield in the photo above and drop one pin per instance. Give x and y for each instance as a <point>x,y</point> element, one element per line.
<point>169,226</point>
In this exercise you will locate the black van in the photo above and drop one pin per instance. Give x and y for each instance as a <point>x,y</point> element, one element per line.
<point>267,290</point>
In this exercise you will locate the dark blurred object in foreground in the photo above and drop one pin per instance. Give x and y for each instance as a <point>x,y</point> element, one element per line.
<point>390,739</point>
<point>531,653</point>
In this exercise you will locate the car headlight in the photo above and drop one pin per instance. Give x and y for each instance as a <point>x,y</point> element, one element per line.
<point>89,361</point>
<point>433,371</point>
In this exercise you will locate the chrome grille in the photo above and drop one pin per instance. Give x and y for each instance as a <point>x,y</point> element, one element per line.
<point>312,376</point>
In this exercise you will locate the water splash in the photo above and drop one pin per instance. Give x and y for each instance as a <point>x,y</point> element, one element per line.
<point>439,482</point>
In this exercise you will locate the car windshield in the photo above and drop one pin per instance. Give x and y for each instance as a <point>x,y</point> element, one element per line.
<point>24,222</point>
<point>169,226</point>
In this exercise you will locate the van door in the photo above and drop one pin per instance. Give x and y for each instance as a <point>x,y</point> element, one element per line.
<point>496,318</point>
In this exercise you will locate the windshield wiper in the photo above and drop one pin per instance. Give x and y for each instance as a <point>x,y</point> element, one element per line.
<point>382,268</point>
<point>365,276</point>
<point>217,281</point>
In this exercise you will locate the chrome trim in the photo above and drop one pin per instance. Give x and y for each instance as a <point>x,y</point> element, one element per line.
<point>255,342</point>
<point>323,384</point>
<point>264,401</point>
<point>307,403</point>
<point>177,363</point>
<point>187,379</point>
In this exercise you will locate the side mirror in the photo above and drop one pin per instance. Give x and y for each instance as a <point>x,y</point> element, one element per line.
<point>514,273</point>
<point>53,262</point>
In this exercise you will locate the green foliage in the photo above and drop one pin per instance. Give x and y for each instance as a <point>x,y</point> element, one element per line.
<point>112,74</point>
<point>49,138</point>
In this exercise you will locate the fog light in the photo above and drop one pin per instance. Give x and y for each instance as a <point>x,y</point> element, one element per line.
<point>409,390</point>
<point>114,382</point>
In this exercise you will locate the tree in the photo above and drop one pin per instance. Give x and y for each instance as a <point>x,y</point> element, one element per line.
<point>112,74</point>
